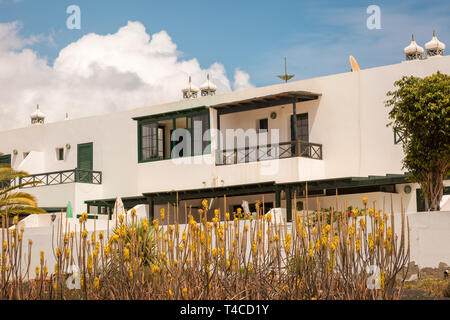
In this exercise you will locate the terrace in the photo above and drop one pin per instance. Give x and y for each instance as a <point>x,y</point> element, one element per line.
<point>262,115</point>
<point>159,137</point>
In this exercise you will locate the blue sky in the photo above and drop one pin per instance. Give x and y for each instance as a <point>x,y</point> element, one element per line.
<point>136,53</point>
<point>316,36</point>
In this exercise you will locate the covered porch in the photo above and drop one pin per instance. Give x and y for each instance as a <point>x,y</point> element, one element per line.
<point>274,126</point>
<point>270,194</point>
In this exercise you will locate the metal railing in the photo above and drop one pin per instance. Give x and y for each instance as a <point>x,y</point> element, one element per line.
<point>62,177</point>
<point>281,150</point>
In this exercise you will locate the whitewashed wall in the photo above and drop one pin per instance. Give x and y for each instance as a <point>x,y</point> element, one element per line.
<point>349,120</point>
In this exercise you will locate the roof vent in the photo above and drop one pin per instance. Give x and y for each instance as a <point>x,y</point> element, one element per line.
<point>208,88</point>
<point>413,51</point>
<point>435,47</point>
<point>191,91</point>
<point>37,117</point>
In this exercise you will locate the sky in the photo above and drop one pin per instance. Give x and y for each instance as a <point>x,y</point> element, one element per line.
<point>134,53</point>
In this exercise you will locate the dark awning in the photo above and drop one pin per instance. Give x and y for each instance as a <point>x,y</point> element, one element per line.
<point>271,100</point>
<point>128,202</point>
<point>229,191</point>
<point>351,184</point>
<point>172,114</point>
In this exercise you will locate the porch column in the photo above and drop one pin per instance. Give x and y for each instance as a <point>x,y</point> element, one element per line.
<point>219,156</point>
<point>288,204</point>
<point>151,209</point>
<point>294,120</point>
<point>277,198</point>
<point>176,215</point>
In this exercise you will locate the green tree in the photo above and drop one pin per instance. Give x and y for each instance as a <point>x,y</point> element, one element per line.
<point>12,201</point>
<point>421,111</point>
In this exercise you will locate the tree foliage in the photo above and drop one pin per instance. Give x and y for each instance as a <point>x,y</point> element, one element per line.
<point>12,201</point>
<point>421,110</point>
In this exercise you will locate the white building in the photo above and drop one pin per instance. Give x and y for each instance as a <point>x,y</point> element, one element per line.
<point>332,137</point>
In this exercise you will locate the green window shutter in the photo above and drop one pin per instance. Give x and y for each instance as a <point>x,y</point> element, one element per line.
<point>85,162</point>
<point>85,156</point>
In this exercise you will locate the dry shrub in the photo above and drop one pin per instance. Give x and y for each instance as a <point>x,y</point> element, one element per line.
<point>224,258</point>
<point>447,290</point>
<point>434,287</point>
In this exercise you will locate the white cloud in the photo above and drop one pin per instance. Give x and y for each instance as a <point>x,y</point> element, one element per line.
<point>241,80</point>
<point>97,74</point>
<point>9,38</point>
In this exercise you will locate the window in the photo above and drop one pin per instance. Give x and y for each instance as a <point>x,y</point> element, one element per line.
<point>399,135</point>
<point>200,125</point>
<point>161,144</point>
<point>174,143</point>
<point>157,139</point>
<point>149,137</point>
<point>302,127</point>
<point>59,154</point>
<point>301,132</point>
<point>263,125</point>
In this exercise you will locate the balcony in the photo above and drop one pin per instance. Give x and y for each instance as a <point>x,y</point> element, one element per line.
<point>281,150</point>
<point>60,177</point>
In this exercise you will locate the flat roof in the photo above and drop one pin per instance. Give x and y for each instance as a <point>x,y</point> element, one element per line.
<point>256,102</point>
<point>171,114</point>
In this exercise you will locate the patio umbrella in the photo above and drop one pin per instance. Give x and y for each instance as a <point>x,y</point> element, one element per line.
<point>119,208</point>
<point>69,210</point>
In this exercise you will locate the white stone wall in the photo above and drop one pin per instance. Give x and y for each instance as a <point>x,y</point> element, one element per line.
<point>349,120</point>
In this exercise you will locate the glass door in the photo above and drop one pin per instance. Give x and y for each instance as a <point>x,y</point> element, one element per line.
<point>302,133</point>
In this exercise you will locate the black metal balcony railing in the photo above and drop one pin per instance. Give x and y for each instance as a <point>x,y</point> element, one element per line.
<point>281,150</point>
<point>62,177</point>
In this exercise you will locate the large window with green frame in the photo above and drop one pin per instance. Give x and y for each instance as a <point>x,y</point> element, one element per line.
<point>200,140</point>
<point>157,139</point>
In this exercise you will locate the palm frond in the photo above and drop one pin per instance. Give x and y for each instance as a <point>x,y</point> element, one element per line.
<point>16,202</point>
<point>11,201</point>
<point>7,173</point>
<point>19,186</point>
<point>23,210</point>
